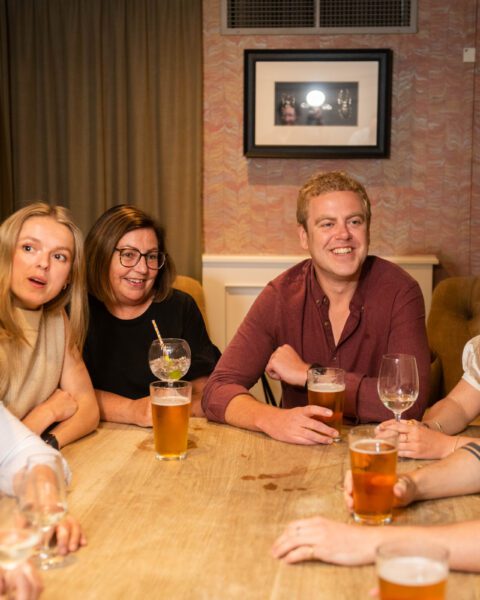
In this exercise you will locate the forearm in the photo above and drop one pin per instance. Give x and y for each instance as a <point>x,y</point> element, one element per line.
<point>445,415</point>
<point>83,422</point>
<point>457,410</point>
<point>246,412</point>
<point>115,408</point>
<point>456,475</point>
<point>39,418</point>
<point>461,540</point>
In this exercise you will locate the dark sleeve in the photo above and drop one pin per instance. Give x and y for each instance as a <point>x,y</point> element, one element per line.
<point>245,357</point>
<point>204,354</point>
<point>407,335</point>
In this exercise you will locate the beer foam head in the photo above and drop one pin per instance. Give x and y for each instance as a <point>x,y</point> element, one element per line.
<point>372,446</point>
<point>412,570</point>
<point>326,387</point>
<point>170,400</point>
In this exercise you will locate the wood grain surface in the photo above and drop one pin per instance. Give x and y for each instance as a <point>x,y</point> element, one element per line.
<point>202,528</point>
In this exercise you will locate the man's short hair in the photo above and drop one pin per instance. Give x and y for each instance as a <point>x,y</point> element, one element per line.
<point>333,181</point>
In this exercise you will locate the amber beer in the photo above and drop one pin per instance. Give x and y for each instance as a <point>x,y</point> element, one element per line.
<point>326,387</point>
<point>170,414</point>
<point>373,462</point>
<point>412,570</point>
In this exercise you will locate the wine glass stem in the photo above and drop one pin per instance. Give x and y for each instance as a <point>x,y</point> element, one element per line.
<point>45,549</point>
<point>398,417</point>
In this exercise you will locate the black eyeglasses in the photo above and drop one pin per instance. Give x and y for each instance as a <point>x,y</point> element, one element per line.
<point>130,257</point>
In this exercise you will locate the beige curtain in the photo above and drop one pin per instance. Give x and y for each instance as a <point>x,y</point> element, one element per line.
<point>100,105</point>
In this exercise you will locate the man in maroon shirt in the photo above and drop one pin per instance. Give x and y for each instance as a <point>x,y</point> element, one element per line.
<point>339,309</point>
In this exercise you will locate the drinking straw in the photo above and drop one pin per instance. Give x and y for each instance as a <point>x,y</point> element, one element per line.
<point>162,345</point>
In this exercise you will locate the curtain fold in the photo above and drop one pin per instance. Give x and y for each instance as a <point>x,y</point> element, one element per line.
<point>105,107</point>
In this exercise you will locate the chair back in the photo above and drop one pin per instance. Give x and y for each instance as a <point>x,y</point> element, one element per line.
<point>454,318</point>
<point>194,288</point>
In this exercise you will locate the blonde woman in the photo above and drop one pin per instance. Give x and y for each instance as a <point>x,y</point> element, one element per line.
<point>43,379</point>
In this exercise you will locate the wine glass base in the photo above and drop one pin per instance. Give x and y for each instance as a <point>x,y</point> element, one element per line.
<point>45,563</point>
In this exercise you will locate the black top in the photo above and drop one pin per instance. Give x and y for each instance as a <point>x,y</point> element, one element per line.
<point>116,350</point>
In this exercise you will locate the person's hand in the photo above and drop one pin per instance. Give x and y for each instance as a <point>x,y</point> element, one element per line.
<point>404,490</point>
<point>70,536</point>
<point>142,412</point>
<point>417,441</point>
<point>22,583</point>
<point>286,365</point>
<point>300,425</point>
<point>62,405</point>
<point>329,541</point>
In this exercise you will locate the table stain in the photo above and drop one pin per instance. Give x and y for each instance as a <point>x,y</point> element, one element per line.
<point>191,444</point>
<point>294,471</point>
<point>147,444</point>
<point>270,486</point>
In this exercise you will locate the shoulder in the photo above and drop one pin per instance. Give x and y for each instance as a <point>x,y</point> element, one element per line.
<point>293,277</point>
<point>176,299</point>
<point>379,271</point>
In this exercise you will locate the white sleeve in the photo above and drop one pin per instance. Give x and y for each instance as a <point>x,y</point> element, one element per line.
<point>471,362</point>
<point>17,443</point>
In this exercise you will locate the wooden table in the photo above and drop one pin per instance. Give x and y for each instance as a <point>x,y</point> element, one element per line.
<point>202,528</point>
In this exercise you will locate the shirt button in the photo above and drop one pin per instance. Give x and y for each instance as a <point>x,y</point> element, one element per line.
<point>334,358</point>
<point>326,323</point>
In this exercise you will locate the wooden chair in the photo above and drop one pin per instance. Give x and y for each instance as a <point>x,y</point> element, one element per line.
<point>454,319</point>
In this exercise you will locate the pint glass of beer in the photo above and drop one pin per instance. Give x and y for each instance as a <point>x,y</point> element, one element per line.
<point>326,387</point>
<point>170,412</point>
<point>373,459</point>
<point>412,570</point>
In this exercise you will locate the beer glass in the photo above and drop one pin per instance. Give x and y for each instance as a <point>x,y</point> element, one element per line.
<point>398,382</point>
<point>170,412</point>
<point>373,460</point>
<point>412,570</point>
<point>326,387</point>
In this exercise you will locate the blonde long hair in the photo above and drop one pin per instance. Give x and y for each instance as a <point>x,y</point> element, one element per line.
<point>73,294</point>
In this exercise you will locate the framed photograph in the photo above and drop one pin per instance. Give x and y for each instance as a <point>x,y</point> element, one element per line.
<point>317,103</point>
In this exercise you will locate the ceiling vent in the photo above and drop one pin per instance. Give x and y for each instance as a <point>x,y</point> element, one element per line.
<point>247,17</point>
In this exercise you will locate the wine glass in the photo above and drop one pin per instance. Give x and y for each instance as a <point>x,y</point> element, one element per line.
<point>169,360</point>
<point>43,500</point>
<point>18,538</point>
<point>398,382</point>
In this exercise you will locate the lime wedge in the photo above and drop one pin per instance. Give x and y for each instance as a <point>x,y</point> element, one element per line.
<point>175,374</point>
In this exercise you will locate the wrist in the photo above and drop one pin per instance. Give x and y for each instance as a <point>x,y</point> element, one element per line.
<point>433,425</point>
<point>310,366</point>
<point>50,439</point>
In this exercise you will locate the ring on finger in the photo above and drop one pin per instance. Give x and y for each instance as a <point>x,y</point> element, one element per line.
<point>312,553</point>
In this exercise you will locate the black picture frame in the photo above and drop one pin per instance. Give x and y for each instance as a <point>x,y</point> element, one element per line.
<point>352,122</point>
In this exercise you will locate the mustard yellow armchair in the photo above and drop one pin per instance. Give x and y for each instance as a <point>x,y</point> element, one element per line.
<point>195,289</point>
<point>454,319</point>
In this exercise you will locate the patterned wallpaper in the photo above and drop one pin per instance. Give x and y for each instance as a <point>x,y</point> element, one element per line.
<point>425,197</point>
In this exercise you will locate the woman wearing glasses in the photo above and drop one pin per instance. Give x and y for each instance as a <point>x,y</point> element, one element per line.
<point>130,278</point>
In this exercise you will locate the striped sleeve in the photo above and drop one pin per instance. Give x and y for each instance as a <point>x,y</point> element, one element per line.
<point>473,448</point>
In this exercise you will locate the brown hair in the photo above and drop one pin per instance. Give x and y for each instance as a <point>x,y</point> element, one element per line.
<point>333,181</point>
<point>102,240</point>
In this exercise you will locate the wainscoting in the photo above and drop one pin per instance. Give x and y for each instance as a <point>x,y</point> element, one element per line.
<point>231,284</point>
